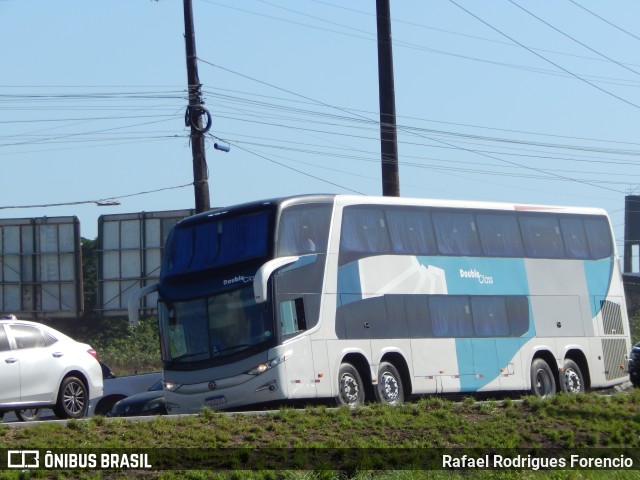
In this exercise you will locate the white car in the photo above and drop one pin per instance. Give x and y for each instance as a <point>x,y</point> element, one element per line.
<point>43,368</point>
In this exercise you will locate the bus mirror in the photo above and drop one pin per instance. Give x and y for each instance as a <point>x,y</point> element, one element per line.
<point>262,276</point>
<point>133,305</point>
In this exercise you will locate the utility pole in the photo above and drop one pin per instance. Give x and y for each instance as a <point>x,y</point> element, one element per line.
<point>194,115</point>
<point>388,132</point>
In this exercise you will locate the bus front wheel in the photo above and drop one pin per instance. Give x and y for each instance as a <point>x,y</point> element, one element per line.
<point>350,386</point>
<point>543,383</point>
<point>389,389</point>
<point>571,380</point>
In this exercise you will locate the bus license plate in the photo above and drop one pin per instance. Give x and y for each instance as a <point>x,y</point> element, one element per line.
<point>213,401</point>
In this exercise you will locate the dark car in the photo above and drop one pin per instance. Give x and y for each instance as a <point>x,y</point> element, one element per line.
<point>634,365</point>
<point>151,402</point>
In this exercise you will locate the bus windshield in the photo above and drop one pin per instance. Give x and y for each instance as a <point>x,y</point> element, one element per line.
<point>216,242</point>
<point>212,329</point>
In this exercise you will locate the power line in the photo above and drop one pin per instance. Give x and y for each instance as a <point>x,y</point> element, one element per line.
<point>103,201</point>
<point>407,130</point>
<point>572,38</point>
<point>294,169</point>
<point>400,43</point>
<point>544,58</point>
<point>605,20</point>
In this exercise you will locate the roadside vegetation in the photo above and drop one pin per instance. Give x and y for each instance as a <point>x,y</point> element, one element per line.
<point>357,443</point>
<point>361,443</point>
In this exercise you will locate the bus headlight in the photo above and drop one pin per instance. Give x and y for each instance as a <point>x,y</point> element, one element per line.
<point>274,362</point>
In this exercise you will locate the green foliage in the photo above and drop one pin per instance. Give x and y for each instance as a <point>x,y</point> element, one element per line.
<point>135,350</point>
<point>124,348</point>
<point>634,326</point>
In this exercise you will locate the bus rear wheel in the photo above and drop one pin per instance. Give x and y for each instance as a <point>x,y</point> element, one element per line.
<point>543,383</point>
<point>350,387</point>
<point>389,390</point>
<point>571,380</point>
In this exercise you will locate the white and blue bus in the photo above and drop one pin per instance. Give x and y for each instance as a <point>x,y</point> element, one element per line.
<point>376,298</point>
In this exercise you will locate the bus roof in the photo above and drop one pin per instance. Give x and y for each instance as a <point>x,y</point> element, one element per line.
<point>344,200</point>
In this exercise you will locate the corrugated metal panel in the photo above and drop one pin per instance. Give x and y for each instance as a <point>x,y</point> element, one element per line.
<point>615,354</point>
<point>130,256</point>
<point>40,267</point>
<point>611,318</point>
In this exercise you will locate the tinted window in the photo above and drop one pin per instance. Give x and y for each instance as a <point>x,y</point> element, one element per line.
<point>49,339</point>
<point>518,312</point>
<point>500,235</point>
<point>541,235</point>
<point>217,242</point>
<point>27,336</point>
<point>456,233</point>
<point>599,237</point>
<point>304,229</point>
<point>575,238</point>
<point>451,316</point>
<point>364,230</point>
<point>4,342</point>
<point>490,316</point>
<point>411,231</point>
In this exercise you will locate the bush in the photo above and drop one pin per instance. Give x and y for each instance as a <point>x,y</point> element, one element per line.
<point>136,351</point>
<point>126,349</point>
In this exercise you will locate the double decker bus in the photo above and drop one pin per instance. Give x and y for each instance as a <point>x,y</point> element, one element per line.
<point>361,298</point>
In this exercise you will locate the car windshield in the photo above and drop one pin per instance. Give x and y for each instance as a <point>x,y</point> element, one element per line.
<point>215,328</point>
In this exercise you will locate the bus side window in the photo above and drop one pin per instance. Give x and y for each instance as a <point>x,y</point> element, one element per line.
<point>575,238</point>
<point>542,237</point>
<point>364,230</point>
<point>500,235</point>
<point>599,237</point>
<point>456,233</point>
<point>292,318</point>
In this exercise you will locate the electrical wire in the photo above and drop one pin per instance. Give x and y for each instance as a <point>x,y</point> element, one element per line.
<point>604,20</point>
<point>99,201</point>
<point>573,38</point>
<point>582,79</point>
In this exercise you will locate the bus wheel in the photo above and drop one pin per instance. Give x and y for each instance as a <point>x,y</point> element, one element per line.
<point>571,380</point>
<point>389,388</point>
<point>542,379</point>
<point>350,386</point>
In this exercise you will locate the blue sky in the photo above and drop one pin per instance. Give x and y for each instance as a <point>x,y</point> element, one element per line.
<point>518,101</point>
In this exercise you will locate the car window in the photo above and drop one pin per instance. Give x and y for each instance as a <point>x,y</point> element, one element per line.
<point>27,336</point>
<point>49,339</point>
<point>4,341</point>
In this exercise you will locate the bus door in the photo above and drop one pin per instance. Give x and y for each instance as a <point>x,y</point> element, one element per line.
<point>300,368</point>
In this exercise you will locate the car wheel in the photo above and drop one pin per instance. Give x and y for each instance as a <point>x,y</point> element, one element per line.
<point>389,390</point>
<point>571,380</point>
<point>350,386</point>
<point>28,414</point>
<point>73,399</point>
<point>106,404</point>
<point>543,382</point>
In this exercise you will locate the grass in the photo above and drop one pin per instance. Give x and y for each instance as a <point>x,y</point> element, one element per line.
<point>356,444</point>
<point>362,443</point>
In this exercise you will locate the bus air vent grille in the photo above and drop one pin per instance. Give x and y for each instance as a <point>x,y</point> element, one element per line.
<point>611,318</point>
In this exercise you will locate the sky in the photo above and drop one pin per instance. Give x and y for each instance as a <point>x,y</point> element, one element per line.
<point>501,100</point>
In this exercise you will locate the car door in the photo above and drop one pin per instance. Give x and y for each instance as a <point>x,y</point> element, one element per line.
<point>9,371</point>
<point>40,368</point>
